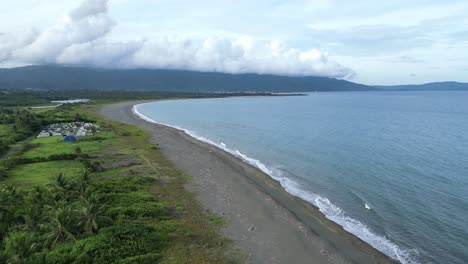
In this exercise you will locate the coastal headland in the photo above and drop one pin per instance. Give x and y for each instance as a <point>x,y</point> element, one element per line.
<point>264,221</point>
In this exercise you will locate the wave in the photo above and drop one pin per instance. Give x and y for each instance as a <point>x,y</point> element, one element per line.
<point>325,206</point>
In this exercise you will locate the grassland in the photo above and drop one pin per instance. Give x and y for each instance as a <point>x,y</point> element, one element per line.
<point>149,217</point>
<point>41,173</point>
<point>55,145</point>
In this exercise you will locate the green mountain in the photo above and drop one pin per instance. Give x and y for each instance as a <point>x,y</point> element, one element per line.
<point>63,77</point>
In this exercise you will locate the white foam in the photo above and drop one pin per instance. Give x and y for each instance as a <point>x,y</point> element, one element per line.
<point>330,210</point>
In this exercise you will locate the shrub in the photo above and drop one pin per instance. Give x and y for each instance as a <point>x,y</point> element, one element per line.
<point>63,156</point>
<point>124,242</point>
<point>92,166</point>
<point>20,246</point>
<point>77,150</point>
<point>137,210</point>
<point>29,146</point>
<point>92,138</point>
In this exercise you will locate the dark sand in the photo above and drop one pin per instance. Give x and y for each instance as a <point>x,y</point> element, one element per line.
<point>266,222</point>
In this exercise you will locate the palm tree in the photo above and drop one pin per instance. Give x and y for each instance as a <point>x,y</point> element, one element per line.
<point>91,213</point>
<point>62,188</point>
<point>59,224</point>
<point>6,203</point>
<point>34,205</point>
<point>83,185</point>
<point>9,200</point>
<point>19,247</point>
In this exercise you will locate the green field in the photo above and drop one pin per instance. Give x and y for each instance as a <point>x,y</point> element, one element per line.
<point>43,172</point>
<point>55,145</point>
<point>134,195</point>
<point>41,110</point>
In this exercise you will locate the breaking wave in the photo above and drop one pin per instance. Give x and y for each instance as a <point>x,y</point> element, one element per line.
<point>330,210</point>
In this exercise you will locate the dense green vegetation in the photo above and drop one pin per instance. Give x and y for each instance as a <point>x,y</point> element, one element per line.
<point>55,77</point>
<point>109,198</point>
<point>16,125</point>
<point>29,97</point>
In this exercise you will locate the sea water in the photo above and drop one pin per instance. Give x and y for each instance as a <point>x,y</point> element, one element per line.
<point>390,167</point>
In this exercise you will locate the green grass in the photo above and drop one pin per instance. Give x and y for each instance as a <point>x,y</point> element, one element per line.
<point>55,145</point>
<point>216,220</point>
<point>41,110</point>
<point>159,210</point>
<point>42,172</point>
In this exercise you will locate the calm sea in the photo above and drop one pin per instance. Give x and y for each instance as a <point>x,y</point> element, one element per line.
<point>390,167</point>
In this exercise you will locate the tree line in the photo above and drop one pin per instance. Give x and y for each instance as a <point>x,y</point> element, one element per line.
<point>18,124</point>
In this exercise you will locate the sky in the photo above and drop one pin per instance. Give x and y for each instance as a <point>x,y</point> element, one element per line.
<point>371,42</point>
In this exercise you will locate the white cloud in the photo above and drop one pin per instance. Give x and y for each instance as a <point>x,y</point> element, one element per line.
<point>368,36</point>
<point>84,24</point>
<point>81,38</point>
<point>89,8</point>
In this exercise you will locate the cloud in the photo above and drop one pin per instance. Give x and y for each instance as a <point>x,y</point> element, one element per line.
<point>89,8</point>
<point>81,38</point>
<point>84,24</point>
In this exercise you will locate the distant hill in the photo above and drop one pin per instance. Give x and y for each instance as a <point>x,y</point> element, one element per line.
<point>436,86</point>
<point>63,77</point>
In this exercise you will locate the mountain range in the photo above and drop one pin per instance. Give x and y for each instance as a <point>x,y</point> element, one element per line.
<point>56,77</point>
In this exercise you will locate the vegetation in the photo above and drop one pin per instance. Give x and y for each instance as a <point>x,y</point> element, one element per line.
<point>43,172</point>
<point>26,98</point>
<point>16,125</point>
<point>55,77</point>
<point>109,198</point>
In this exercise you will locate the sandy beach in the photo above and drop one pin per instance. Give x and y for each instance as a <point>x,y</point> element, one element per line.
<point>266,222</point>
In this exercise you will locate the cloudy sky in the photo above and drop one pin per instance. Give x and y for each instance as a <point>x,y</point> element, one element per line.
<point>372,42</point>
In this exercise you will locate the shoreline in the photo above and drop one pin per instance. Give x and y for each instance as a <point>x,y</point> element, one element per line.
<point>263,219</point>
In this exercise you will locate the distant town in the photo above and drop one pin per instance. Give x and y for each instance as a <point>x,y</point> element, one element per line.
<point>77,129</point>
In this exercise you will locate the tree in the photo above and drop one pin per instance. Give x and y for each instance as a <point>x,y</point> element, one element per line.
<point>35,202</point>
<point>83,185</point>
<point>9,200</point>
<point>59,224</point>
<point>3,146</point>
<point>62,188</point>
<point>25,122</point>
<point>91,213</point>
<point>20,246</point>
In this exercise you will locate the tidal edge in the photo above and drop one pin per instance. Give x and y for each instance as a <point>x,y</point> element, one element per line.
<point>351,248</point>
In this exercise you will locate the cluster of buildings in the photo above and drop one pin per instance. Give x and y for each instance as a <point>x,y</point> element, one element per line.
<point>76,129</point>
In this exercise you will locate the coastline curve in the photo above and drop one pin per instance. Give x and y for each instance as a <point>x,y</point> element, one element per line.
<point>322,204</point>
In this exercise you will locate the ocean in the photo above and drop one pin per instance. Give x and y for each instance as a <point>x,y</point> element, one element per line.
<point>390,167</point>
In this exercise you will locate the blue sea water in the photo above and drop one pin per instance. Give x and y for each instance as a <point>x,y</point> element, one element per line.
<point>390,167</point>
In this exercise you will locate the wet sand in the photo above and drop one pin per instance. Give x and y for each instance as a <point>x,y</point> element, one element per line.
<point>266,222</point>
